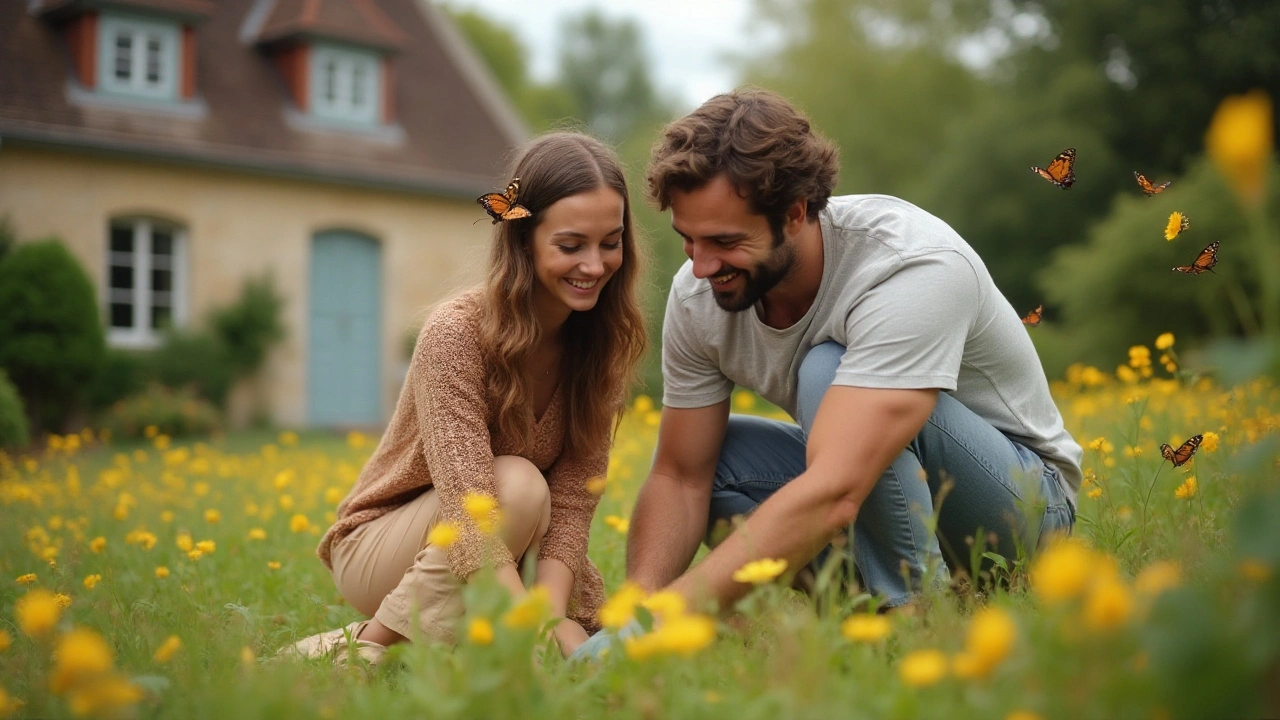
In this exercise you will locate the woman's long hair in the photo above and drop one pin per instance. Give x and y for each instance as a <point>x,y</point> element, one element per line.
<point>602,346</point>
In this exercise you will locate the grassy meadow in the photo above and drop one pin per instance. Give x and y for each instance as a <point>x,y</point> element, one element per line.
<point>155,579</point>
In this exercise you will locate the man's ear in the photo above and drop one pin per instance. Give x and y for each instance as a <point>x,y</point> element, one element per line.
<point>797,214</point>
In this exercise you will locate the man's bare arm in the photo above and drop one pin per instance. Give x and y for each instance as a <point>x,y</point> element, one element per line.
<point>670,517</point>
<point>858,432</point>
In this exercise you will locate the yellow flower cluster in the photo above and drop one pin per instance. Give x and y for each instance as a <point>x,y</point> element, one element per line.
<point>618,523</point>
<point>530,611</point>
<point>1069,569</point>
<point>676,631</point>
<point>83,672</point>
<point>758,572</point>
<point>483,511</point>
<point>865,628</point>
<point>1187,489</point>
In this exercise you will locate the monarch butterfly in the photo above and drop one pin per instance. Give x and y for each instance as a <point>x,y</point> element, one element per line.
<point>1146,185</point>
<point>1061,170</point>
<point>1207,258</point>
<point>502,206</point>
<point>1033,318</point>
<point>1184,452</point>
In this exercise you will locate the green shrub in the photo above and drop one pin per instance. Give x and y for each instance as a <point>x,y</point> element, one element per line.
<point>175,412</point>
<point>123,373</point>
<point>8,236</point>
<point>198,361</point>
<point>13,418</point>
<point>251,326</point>
<point>51,340</point>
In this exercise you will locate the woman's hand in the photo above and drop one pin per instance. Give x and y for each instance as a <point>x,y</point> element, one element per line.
<point>569,635</point>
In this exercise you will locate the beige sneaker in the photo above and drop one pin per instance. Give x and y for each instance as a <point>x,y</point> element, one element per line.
<point>333,644</point>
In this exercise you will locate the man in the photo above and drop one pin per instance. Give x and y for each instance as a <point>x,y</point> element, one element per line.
<point>913,381</point>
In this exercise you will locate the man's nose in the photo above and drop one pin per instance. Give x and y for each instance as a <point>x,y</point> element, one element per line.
<point>705,263</point>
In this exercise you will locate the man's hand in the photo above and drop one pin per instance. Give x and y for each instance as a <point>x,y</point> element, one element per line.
<point>858,432</point>
<point>569,635</point>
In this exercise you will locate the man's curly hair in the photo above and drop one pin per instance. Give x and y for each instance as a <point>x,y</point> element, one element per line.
<point>764,146</point>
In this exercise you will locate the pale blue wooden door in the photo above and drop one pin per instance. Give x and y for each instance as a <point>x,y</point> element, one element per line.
<point>344,361</point>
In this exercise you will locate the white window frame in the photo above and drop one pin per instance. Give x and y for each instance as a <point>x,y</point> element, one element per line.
<point>142,335</point>
<point>169,37</point>
<point>345,64</point>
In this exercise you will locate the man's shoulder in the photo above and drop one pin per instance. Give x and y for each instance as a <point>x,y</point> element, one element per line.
<point>687,289</point>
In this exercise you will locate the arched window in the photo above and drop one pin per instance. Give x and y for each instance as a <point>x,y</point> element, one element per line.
<point>146,280</point>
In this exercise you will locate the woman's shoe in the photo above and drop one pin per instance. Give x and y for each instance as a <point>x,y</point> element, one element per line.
<point>338,645</point>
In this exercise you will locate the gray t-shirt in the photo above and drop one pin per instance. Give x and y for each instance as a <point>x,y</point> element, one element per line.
<point>914,305</point>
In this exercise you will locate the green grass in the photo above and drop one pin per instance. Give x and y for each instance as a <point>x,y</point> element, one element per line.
<point>1210,647</point>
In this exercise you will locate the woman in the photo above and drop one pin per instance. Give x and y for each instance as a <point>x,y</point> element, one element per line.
<point>513,393</point>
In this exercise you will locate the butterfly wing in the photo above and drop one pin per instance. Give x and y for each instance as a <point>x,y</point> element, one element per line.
<point>1166,451</point>
<point>1184,452</point>
<point>496,204</point>
<point>1205,261</point>
<point>1146,185</point>
<point>516,212</point>
<point>1061,170</point>
<point>1033,318</point>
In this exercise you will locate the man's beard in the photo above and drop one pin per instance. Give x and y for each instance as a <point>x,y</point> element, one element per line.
<point>759,281</point>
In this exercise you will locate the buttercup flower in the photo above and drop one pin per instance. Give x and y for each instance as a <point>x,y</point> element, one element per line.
<point>481,509</point>
<point>1062,571</point>
<point>761,571</point>
<point>597,485</point>
<point>443,534</point>
<point>1094,494</point>
<point>81,655</point>
<point>1164,341</point>
<point>167,649</point>
<point>1157,578</point>
<point>1239,141</point>
<point>1210,442</point>
<point>257,534</point>
<point>991,635</point>
<point>1177,223</point>
<point>273,564</point>
<point>1108,605</point>
<point>665,604</point>
<point>620,609</point>
<point>162,572</point>
<point>530,610</point>
<point>1187,489</point>
<point>922,668</point>
<point>37,612</point>
<point>866,628</point>
<point>26,579</point>
<point>620,524</point>
<point>97,544</point>
<point>299,523</point>
<point>480,631</point>
<point>91,580</point>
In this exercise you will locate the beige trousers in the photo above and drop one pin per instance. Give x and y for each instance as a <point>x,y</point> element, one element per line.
<point>386,569</point>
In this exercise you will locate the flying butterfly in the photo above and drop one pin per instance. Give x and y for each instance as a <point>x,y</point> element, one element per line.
<point>1033,318</point>
<point>1061,170</point>
<point>1205,261</point>
<point>1146,185</point>
<point>1184,452</point>
<point>502,206</point>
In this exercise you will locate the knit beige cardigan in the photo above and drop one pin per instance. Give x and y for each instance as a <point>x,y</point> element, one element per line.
<point>443,435</point>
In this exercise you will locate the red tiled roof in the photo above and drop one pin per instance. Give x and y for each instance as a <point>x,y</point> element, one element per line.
<point>357,21</point>
<point>451,134</point>
<point>196,8</point>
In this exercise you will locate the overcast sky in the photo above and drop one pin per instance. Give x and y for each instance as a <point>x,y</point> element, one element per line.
<point>685,39</point>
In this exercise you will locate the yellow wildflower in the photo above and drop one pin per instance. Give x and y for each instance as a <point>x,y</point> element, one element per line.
<point>922,668</point>
<point>620,524</point>
<point>161,442</point>
<point>665,604</point>
<point>5,641</point>
<point>1239,141</point>
<point>643,404</point>
<point>991,635</point>
<point>482,510</point>
<point>257,534</point>
<point>81,655</point>
<point>184,542</point>
<point>333,496</point>
<point>1062,571</point>
<point>299,523</point>
<point>1254,569</point>
<point>273,565</point>
<point>288,438</point>
<point>620,609</point>
<point>162,572</point>
<point>8,705</point>
<point>1108,605</point>
<point>443,534</point>
<point>151,431</point>
<point>37,612</point>
<point>480,631</point>
<point>1126,374</point>
<point>356,440</point>
<point>26,579</point>
<point>1022,715</point>
<point>206,546</point>
<point>1164,341</point>
<point>1158,577</point>
<point>167,649</point>
<point>103,696</point>
<point>866,628</point>
<point>91,580</point>
<point>97,544</point>
<point>530,610</point>
<point>1177,223</point>
<point>1094,494</point>
<point>1209,443</point>
<point>597,485</point>
<point>761,571</point>
<point>212,516</point>
<point>1187,489</point>
<point>682,635</point>
<point>195,554</point>
<point>743,400</point>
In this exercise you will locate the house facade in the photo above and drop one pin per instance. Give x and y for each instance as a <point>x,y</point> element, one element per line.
<point>179,147</point>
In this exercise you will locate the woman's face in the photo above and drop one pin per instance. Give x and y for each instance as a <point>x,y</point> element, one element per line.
<point>577,247</point>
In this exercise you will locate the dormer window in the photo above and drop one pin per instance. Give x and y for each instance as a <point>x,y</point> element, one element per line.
<point>138,57</point>
<point>346,84</point>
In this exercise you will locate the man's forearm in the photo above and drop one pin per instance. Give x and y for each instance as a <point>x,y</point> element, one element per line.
<point>667,525</point>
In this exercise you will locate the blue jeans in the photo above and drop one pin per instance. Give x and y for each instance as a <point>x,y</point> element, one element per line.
<point>993,484</point>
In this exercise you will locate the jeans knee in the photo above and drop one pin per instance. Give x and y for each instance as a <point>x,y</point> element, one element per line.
<point>523,496</point>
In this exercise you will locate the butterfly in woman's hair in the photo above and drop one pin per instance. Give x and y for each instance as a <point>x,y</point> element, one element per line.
<point>1205,261</point>
<point>1147,186</point>
<point>502,206</point>
<point>1061,170</point>
<point>1033,318</point>
<point>1184,452</point>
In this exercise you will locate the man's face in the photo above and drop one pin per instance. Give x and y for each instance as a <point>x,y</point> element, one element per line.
<point>731,247</point>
